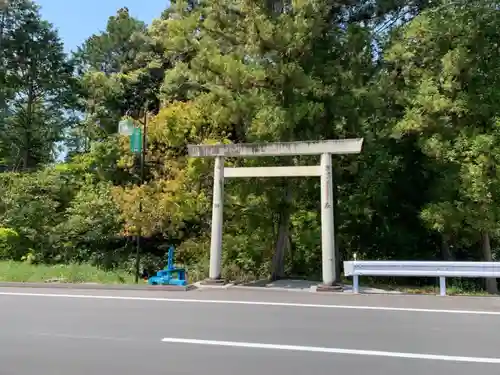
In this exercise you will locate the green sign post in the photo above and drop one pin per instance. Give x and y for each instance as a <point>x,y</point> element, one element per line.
<point>126,127</point>
<point>138,146</point>
<point>136,140</point>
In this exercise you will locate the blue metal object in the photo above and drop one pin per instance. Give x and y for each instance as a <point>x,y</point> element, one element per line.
<point>170,258</point>
<point>170,275</point>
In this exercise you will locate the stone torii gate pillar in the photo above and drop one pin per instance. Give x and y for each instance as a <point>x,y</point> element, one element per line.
<point>324,171</point>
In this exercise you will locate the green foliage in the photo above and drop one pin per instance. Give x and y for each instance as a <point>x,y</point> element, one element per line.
<point>114,49</point>
<point>60,215</point>
<point>32,205</point>
<point>9,242</point>
<point>91,222</point>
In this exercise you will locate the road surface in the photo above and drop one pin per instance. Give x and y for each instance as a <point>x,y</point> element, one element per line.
<point>230,332</point>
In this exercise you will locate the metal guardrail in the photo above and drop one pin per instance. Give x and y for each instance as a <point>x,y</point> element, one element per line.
<point>442,270</point>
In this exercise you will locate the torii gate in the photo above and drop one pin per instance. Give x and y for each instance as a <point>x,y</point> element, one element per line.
<point>324,170</point>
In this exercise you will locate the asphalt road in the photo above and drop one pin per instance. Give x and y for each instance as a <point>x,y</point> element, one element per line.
<point>52,332</point>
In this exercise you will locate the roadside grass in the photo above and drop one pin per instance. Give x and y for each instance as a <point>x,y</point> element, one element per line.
<point>84,273</point>
<point>450,291</point>
<point>455,287</point>
<point>11,271</point>
<point>71,273</point>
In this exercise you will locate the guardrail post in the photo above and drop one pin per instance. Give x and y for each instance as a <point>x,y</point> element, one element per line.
<point>355,284</point>
<point>442,286</point>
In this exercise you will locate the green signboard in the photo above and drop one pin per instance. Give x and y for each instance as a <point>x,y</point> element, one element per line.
<point>136,140</point>
<point>126,127</point>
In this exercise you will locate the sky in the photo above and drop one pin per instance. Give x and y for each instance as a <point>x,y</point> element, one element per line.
<point>76,20</point>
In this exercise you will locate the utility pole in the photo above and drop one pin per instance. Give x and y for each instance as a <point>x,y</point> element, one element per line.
<point>142,162</point>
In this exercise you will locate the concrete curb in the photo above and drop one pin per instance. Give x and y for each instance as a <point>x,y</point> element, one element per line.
<point>236,286</point>
<point>274,289</point>
<point>154,288</point>
<point>202,286</point>
<point>312,289</point>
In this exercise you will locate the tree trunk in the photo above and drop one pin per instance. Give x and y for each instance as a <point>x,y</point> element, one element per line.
<point>27,131</point>
<point>28,126</point>
<point>446,253</point>
<point>276,6</point>
<point>3,78</point>
<point>491,284</point>
<point>283,240</point>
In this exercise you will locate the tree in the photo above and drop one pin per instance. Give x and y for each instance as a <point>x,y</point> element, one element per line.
<point>260,73</point>
<point>120,70</point>
<point>37,79</point>
<point>449,64</point>
<point>115,49</point>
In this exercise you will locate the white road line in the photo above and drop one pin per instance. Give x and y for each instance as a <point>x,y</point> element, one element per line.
<point>316,349</point>
<point>252,303</point>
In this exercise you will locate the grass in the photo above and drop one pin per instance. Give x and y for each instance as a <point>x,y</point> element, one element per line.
<point>72,273</point>
<point>83,273</point>
<point>455,287</point>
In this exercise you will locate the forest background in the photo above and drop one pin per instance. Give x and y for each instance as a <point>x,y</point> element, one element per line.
<point>419,80</point>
